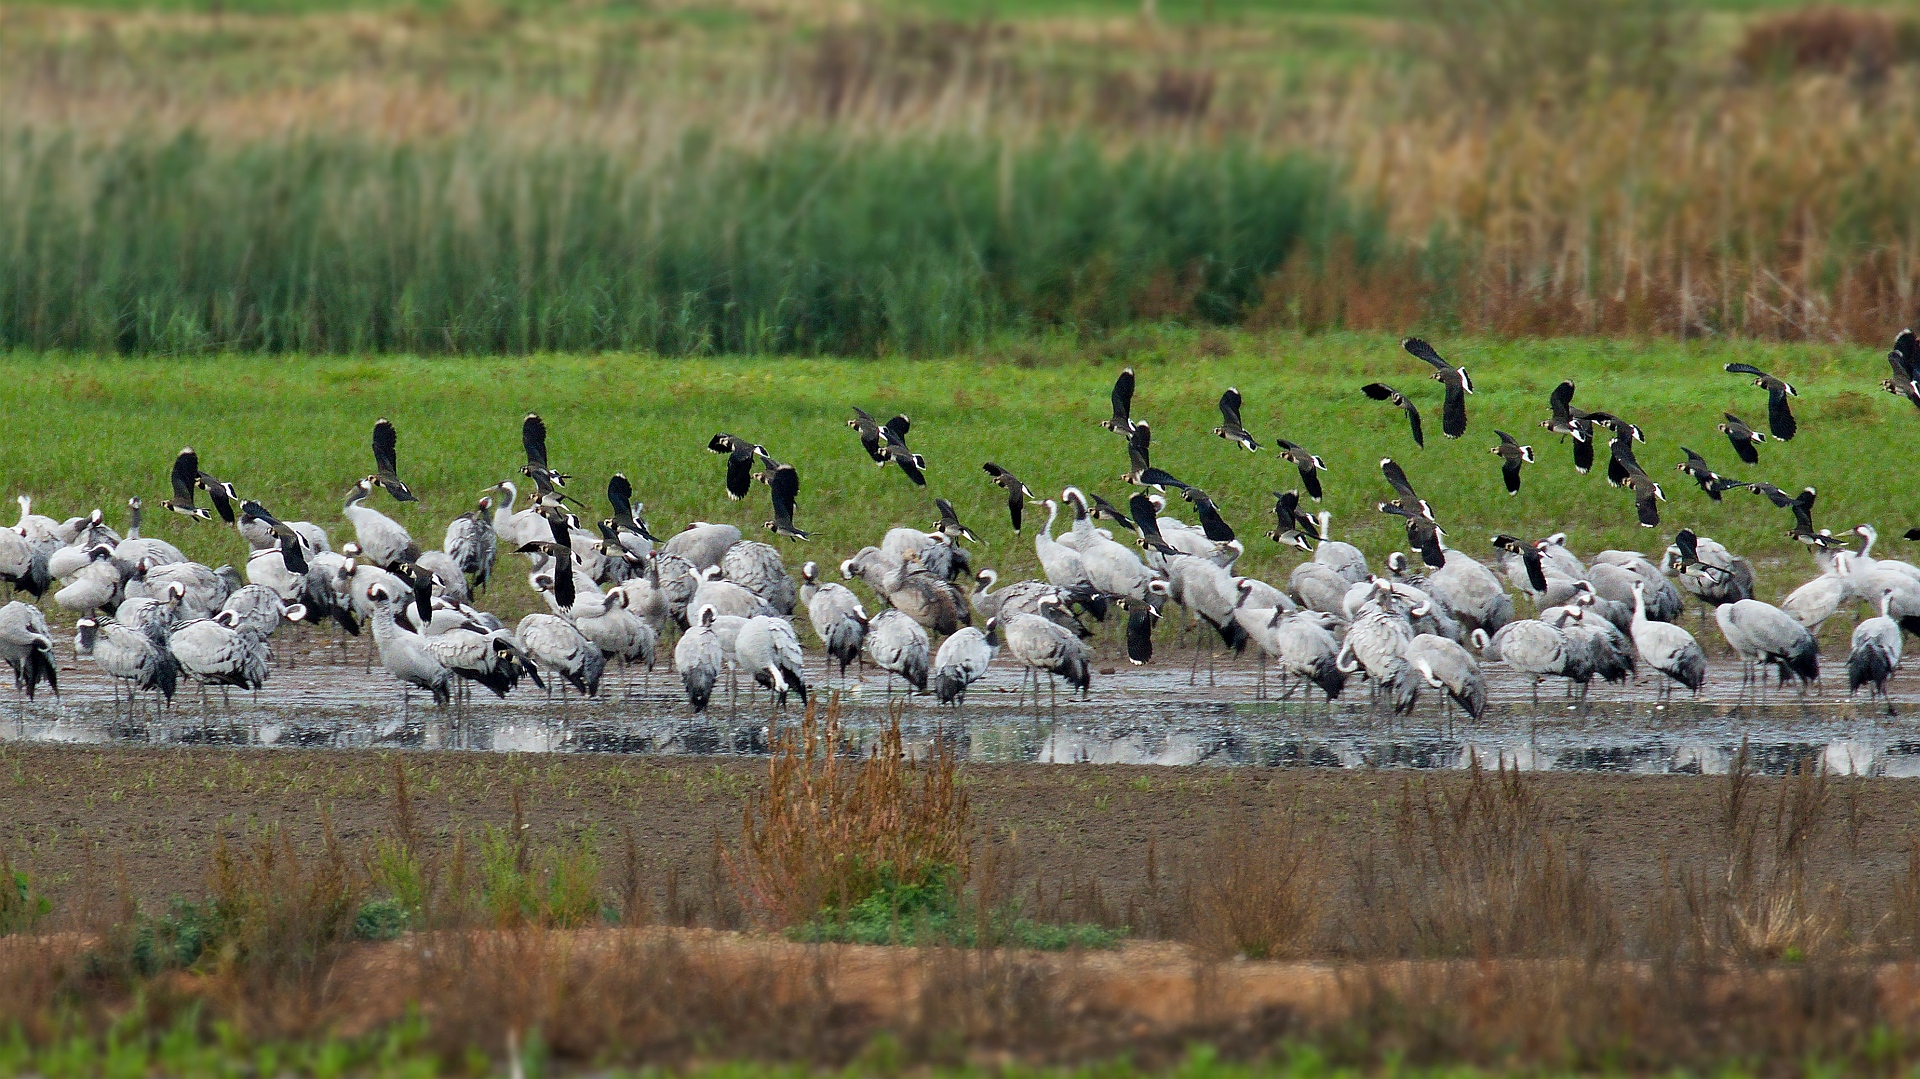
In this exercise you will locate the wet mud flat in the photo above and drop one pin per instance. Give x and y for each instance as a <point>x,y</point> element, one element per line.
<point>1168,714</point>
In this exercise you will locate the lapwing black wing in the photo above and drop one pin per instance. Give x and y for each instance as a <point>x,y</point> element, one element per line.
<point>1292,528</point>
<point>1742,438</point>
<point>870,436</point>
<point>1018,493</point>
<point>1146,522</point>
<point>1615,424</point>
<point>1404,495</point>
<point>1230,427</point>
<point>1512,455</point>
<point>1453,415</point>
<point>1139,447</point>
<point>1905,361</point>
<point>1423,534</point>
<point>1380,391</point>
<point>1309,464</point>
<point>1121,422</point>
<point>560,550</point>
<point>386,461</point>
<point>1565,419</point>
<point>895,450</point>
<point>1771,493</point>
<point>1710,481</point>
<point>290,552</point>
<point>420,579</point>
<point>784,484</point>
<point>1583,449</point>
<point>1780,419</point>
<point>533,440</point>
<point>1141,616</point>
<point>950,525</point>
<point>1215,527</point>
<point>1912,533</point>
<point>1105,510</point>
<point>185,477</point>
<point>1647,495</point>
<point>1529,557</point>
<point>625,517</point>
<point>739,454</point>
<point>219,492</point>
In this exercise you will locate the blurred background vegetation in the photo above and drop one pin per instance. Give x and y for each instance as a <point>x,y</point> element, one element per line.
<point>886,176</point>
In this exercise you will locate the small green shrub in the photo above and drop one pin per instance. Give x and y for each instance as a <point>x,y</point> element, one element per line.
<point>381,919</point>
<point>932,911</point>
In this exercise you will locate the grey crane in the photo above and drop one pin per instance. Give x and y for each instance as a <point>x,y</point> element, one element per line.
<point>1875,654</point>
<point>558,647</point>
<point>897,645</point>
<point>757,568</point>
<point>768,647</point>
<point>1208,593</point>
<point>698,657</point>
<point>1376,644</point>
<point>703,544</point>
<point>1339,555</point>
<point>1762,633</point>
<point>93,584</point>
<point>125,654</point>
<point>406,655</point>
<point>963,660</point>
<point>1309,651</point>
<point>384,539</point>
<point>1319,587</point>
<point>218,651</point>
<point>513,526</point>
<point>837,617</point>
<point>1443,664</point>
<point>1813,603</point>
<point>1706,570</point>
<point>1471,592</point>
<point>906,585</point>
<point>477,653</point>
<point>1112,569</point>
<point>1041,645</point>
<point>726,597</point>
<point>27,646</point>
<point>1026,596</point>
<point>1530,646</point>
<point>135,547</point>
<point>1667,648</point>
<point>603,618</point>
<point>262,609</point>
<point>473,543</point>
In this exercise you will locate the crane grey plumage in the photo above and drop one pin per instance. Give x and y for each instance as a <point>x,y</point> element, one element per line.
<point>405,655</point>
<point>1875,653</point>
<point>757,567</point>
<point>383,539</point>
<point>1763,633</point>
<point>963,660</point>
<point>27,646</point>
<point>473,543</point>
<point>1529,646</point>
<point>1309,650</point>
<point>1029,597</point>
<point>908,586</point>
<point>1813,603</point>
<point>1665,647</point>
<point>1376,643</point>
<point>1443,664</point>
<point>138,658</point>
<point>836,614</point>
<point>261,609</point>
<point>1043,646</point>
<point>1471,592</point>
<point>702,544</point>
<point>1318,587</point>
<point>603,618</point>
<point>698,657</point>
<point>557,646</point>
<point>768,648</point>
<point>217,652</point>
<point>897,644</point>
<point>726,597</point>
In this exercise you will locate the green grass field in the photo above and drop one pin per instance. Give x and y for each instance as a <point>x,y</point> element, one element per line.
<point>294,432</point>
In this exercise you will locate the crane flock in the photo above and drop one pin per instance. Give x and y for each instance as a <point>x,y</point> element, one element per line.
<point>151,618</point>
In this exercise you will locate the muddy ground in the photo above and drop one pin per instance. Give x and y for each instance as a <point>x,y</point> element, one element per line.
<point>94,822</point>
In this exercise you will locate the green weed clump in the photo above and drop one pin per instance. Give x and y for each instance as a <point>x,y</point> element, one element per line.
<point>818,244</point>
<point>936,912</point>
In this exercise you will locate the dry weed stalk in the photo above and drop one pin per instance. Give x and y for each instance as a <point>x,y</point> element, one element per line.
<point>1253,892</point>
<point>831,827</point>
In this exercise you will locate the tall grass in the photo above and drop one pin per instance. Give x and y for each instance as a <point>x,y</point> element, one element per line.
<point>812,245</point>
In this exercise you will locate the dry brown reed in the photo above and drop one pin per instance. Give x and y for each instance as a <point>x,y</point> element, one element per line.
<point>831,826</point>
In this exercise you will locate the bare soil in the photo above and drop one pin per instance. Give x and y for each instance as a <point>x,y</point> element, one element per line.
<point>94,823</point>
